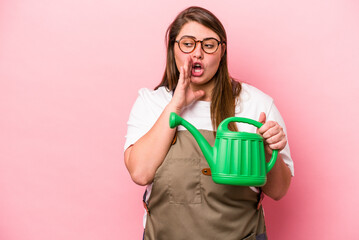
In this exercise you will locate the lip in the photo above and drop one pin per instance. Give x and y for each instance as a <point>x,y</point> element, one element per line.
<point>196,71</point>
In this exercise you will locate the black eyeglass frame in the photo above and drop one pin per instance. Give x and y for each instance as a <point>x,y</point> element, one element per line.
<point>201,41</point>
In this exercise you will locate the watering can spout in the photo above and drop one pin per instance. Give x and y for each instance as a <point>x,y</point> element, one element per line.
<point>205,147</point>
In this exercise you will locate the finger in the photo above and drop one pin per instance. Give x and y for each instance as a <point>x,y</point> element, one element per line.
<point>279,145</point>
<point>262,118</point>
<point>186,68</point>
<point>276,138</point>
<point>272,131</point>
<point>181,76</point>
<point>266,126</point>
<point>189,67</point>
<point>198,94</point>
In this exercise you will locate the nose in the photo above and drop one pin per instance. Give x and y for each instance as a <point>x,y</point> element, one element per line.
<point>198,51</point>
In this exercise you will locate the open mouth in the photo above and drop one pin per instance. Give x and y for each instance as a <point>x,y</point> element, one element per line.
<point>197,69</point>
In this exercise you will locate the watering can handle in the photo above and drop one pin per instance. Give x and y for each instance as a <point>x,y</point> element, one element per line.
<point>223,126</point>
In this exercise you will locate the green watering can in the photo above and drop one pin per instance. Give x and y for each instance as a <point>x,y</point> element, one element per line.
<point>237,158</point>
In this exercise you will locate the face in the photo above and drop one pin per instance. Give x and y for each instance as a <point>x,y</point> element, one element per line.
<point>203,65</point>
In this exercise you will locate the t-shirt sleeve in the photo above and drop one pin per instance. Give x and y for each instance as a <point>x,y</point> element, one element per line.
<point>140,120</point>
<point>274,115</point>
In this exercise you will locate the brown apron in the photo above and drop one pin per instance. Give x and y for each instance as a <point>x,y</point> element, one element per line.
<point>186,204</point>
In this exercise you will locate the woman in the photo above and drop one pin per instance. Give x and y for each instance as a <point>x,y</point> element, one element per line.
<point>182,202</point>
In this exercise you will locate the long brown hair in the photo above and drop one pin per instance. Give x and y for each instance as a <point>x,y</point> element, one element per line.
<point>225,89</point>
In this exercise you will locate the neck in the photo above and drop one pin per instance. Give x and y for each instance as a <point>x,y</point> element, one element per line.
<point>207,88</point>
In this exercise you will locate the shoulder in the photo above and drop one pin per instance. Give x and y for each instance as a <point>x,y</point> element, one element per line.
<point>145,112</point>
<point>151,102</point>
<point>251,93</point>
<point>154,99</point>
<point>160,95</point>
<point>252,101</point>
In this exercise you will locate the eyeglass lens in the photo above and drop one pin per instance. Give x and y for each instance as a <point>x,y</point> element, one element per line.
<point>187,45</point>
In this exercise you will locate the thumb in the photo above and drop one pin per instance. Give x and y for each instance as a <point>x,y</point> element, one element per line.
<point>262,118</point>
<point>198,94</point>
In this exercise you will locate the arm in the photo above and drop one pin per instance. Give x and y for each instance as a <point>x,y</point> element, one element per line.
<point>143,158</point>
<point>279,178</point>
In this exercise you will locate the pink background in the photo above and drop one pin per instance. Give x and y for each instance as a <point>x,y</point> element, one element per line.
<point>69,74</point>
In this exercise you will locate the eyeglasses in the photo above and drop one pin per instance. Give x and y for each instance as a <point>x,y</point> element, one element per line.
<point>188,44</point>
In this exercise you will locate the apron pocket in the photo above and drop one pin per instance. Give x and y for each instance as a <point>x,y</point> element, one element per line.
<point>184,176</point>
<point>250,237</point>
<point>262,236</point>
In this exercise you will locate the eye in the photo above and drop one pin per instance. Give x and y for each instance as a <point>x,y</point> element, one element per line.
<point>209,46</point>
<point>210,43</point>
<point>187,44</point>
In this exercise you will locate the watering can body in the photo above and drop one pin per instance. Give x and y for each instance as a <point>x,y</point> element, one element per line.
<point>237,158</point>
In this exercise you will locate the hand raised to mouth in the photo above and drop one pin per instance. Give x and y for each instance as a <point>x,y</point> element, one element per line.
<point>184,95</point>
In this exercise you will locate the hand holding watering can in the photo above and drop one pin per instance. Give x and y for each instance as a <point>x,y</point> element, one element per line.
<point>273,134</point>
<point>238,158</point>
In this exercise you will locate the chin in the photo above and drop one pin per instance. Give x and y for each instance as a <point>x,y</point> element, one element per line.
<point>199,80</point>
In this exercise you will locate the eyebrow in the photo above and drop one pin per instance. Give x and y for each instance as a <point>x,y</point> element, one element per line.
<point>197,39</point>
<point>189,36</point>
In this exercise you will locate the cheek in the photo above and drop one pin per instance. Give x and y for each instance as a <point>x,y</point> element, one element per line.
<point>179,58</point>
<point>214,63</point>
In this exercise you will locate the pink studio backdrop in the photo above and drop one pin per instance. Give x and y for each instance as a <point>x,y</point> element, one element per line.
<point>70,72</point>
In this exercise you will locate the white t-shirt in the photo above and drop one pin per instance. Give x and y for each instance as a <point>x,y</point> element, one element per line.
<point>150,104</point>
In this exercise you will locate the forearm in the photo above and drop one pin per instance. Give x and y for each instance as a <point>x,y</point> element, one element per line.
<point>147,154</point>
<point>278,180</point>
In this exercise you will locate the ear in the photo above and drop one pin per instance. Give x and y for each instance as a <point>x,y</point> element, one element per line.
<point>223,48</point>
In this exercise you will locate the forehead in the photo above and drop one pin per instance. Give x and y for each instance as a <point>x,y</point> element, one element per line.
<point>197,30</point>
